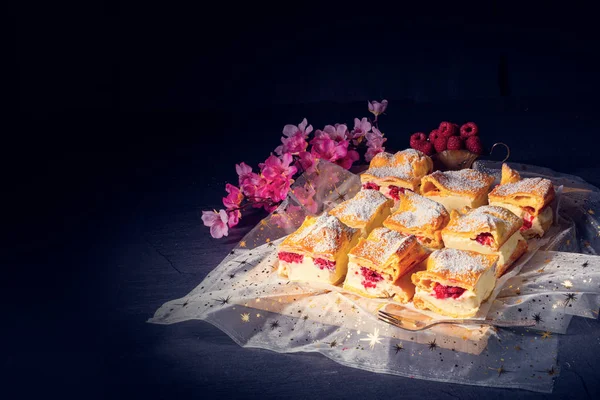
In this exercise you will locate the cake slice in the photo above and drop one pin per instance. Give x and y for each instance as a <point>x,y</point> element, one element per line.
<point>365,211</point>
<point>392,173</point>
<point>419,216</point>
<point>380,265</point>
<point>487,230</point>
<point>455,282</point>
<point>528,198</point>
<point>457,189</point>
<point>317,251</point>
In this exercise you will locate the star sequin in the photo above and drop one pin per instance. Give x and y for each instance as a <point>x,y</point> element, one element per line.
<point>569,297</point>
<point>585,264</point>
<point>546,335</point>
<point>243,243</point>
<point>518,348</point>
<point>372,338</point>
<point>567,284</point>
<point>537,318</point>
<point>274,325</point>
<point>223,300</point>
<point>552,371</point>
<point>432,345</point>
<point>231,276</point>
<point>500,370</point>
<point>245,317</point>
<point>333,344</point>
<point>398,347</point>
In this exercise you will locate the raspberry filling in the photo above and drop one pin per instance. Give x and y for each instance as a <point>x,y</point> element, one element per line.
<point>323,263</point>
<point>371,185</point>
<point>394,192</point>
<point>527,222</point>
<point>370,277</point>
<point>290,257</point>
<point>443,292</point>
<point>485,239</point>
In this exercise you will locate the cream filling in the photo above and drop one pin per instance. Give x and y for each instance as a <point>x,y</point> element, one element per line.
<point>468,303</point>
<point>504,252</point>
<point>384,288</point>
<point>536,225</point>
<point>454,202</point>
<point>308,271</point>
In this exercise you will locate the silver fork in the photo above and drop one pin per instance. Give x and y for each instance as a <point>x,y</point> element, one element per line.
<point>415,326</point>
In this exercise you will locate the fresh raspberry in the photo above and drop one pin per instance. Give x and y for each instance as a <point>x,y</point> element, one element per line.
<point>416,139</point>
<point>446,129</point>
<point>469,129</point>
<point>370,277</point>
<point>440,144</point>
<point>434,135</point>
<point>527,222</point>
<point>485,239</point>
<point>443,292</point>
<point>290,257</point>
<point>473,144</point>
<point>425,147</point>
<point>395,192</point>
<point>454,143</point>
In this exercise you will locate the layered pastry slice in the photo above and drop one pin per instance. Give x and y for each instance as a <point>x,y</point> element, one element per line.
<point>487,230</point>
<point>381,264</point>
<point>457,189</point>
<point>393,173</point>
<point>528,198</point>
<point>365,211</point>
<point>317,251</point>
<point>419,216</point>
<point>455,282</point>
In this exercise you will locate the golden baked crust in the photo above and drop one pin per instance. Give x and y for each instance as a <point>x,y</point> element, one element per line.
<point>535,193</point>
<point>465,182</point>
<point>499,222</point>
<point>509,175</point>
<point>518,252</point>
<point>319,237</point>
<point>451,267</point>
<point>388,252</point>
<point>363,210</point>
<point>419,216</point>
<point>403,169</point>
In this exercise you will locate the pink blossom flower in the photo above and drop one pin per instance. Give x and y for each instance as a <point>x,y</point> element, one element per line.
<point>234,198</point>
<point>250,184</point>
<point>217,221</point>
<point>306,197</point>
<point>339,132</point>
<point>347,161</point>
<point>274,167</point>
<point>302,129</point>
<point>279,188</point>
<point>234,217</point>
<point>285,219</point>
<point>375,142</point>
<point>306,162</point>
<point>361,127</point>
<point>293,144</point>
<point>377,108</point>
<point>328,149</point>
<point>242,169</point>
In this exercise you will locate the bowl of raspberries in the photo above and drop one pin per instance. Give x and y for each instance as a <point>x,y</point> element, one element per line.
<point>451,147</point>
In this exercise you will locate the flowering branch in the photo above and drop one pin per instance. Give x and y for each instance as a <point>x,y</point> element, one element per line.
<point>268,187</point>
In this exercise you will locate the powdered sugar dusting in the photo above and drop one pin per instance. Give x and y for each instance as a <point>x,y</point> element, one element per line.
<point>381,244</point>
<point>403,171</point>
<point>537,186</point>
<point>361,207</point>
<point>464,180</point>
<point>458,262</point>
<point>325,235</point>
<point>425,212</point>
<point>485,217</point>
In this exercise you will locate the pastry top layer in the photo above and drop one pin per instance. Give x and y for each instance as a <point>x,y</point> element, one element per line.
<point>358,211</point>
<point>454,268</point>
<point>417,213</point>
<point>465,182</point>
<point>407,166</point>
<point>528,192</point>
<point>384,250</point>
<point>323,236</point>
<point>499,222</point>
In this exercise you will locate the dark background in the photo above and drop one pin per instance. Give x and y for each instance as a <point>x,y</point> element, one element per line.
<point>132,112</point>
